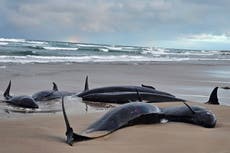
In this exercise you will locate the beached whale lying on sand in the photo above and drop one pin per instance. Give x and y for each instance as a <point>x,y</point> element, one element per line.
<point>125,94</point>
<point>46,95</point>
<point>126,97</point>
<point>21,101</point>
<point>142,88</point>
<point>139,113</point>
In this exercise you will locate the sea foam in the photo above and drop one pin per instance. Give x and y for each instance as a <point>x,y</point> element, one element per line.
<point>38,51</point>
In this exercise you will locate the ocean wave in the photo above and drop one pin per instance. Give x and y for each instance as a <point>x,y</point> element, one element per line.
<point>125,49</point>
<point>60,48</point>
<point>182,52</point>
<point>26,53</point>
<point>35,47</point>
<point>108,48</point>
<point>37,42</point>
<point>36,51</point>
<point>104,49</point>
<point>114,48</point>
<point>88,45</point>
<point>3,43</point>
<point>81,59</point>
<point>18,53</point>
<point>154,51</point>
<point>12,40</point>
<point>225,52</point>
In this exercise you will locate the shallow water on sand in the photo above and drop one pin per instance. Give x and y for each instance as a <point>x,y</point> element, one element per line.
<point>192,82</point>
<point>73,105</point>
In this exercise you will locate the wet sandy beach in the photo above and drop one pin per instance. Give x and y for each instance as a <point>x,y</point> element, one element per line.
<point>44,132</point>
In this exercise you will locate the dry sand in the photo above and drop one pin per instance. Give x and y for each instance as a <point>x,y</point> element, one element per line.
<point>45,133</point>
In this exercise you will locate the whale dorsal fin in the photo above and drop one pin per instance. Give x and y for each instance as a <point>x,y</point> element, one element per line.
<point>86,84</point>
<point>213,99</point>
<point>146,86</point>
<point>190,108</point>
<point>7,92</point>
<point>55,88</point>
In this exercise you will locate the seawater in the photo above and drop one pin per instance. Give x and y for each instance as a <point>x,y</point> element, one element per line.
<point>34,51</point>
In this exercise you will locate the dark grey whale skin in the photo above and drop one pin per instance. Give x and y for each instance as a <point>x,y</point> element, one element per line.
<point>122,89</point>
<point>20,101</point>
<point>126,97</point>
<point>125,94</point>
<point>140,113</point>
<point>213,99</point>
<point>196,115</point>
<point>47,95</point>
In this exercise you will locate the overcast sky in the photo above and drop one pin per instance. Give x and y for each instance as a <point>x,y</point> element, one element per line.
<point>196,24</point>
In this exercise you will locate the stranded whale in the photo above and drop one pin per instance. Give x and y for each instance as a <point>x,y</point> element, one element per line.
<point>142,88</point>
<point>126,97</point>
<point>139,113</point>
<point>125,94</point>
<point>21,101</point>
<point>46,95</point>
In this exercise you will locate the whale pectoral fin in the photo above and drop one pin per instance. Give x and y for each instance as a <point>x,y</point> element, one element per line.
<point>71,136</point>
<point>213,99</point>
<point>69,131</point>
<point>86,84</point>
<point>190,108</point>
<point>146,86</point>
<point>55,88</point>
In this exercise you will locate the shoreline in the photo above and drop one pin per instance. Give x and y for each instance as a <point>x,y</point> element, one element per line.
<point>36,133</point>
<point>193,62</point>
<point>189,81</point>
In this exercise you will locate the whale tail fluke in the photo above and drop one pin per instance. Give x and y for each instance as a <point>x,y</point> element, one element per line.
<point>55,88</point>
<point>7,92</point>
<point>86,84</point>
<point>213,99</point>
<point>71,136</point>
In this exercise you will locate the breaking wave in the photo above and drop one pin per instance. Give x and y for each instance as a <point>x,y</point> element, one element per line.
<point>36,51</point>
